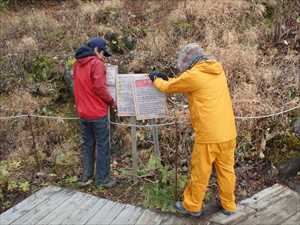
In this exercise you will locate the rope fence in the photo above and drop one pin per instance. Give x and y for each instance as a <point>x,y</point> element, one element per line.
<point>132,124</point>
<point>147,125</point>
<point>268,115</point>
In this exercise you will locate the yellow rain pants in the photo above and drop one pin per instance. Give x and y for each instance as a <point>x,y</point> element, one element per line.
<point>213,121</point>
<point>203,157</point>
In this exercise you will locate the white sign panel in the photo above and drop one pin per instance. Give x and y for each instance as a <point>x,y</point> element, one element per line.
<point>112,91</point>
<point>111,74</point>
<point>149,102</point>
<point>125,103</point>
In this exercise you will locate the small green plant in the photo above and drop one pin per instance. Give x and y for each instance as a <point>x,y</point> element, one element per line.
<point>8,183</point>
<point>4,174</point>
<point>69,181</point>
<point>6,168</point>
<point>68,74</point>
<point>4,3</point>
<point>65,163</point>
<point>182,27</point>
<point>41,68</point>
<point>24,186</point>
<point>161,193</point>
<point>70,62</point>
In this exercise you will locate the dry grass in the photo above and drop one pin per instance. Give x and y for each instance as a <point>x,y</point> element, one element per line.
<point>263,78</point>
<point>21,101</point>
<point>248,37</point>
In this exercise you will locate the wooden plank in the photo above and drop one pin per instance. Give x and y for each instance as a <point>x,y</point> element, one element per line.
<point>28,204</point>
<point>293,219</point>
<point>86,211</point>
<point>53,205</point>
<point>129,215</point>
<point>277,213</point>
<point>107,213</point>
<point>241,214</point>
<point>265,194</point>
<point>257,202</point>
<point>270,199</point>
<point>150,218</point>
<point>175,220</point>
<point>58,214</point>
<point>45,207</point>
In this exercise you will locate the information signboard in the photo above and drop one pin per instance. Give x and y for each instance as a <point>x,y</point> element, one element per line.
<point>111,74</point>
<point>149,102</point>
<point>125,101</point>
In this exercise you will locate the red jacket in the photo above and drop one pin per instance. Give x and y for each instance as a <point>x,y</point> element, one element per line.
<point>91,94</point>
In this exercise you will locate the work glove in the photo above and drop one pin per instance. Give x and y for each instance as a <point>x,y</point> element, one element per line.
<point>155,74</point>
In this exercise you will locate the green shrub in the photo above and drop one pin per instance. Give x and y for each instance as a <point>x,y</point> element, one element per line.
<point>66,162</point>
<point>4,3</point>
<point>9,183</point>
<point>161,193</point>
<point>68,74</point>
<point>41,68</point>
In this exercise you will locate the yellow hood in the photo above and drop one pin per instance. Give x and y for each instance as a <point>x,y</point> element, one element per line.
<point>210,67</point>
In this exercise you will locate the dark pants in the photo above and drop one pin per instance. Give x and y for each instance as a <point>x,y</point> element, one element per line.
<point>95,132</point>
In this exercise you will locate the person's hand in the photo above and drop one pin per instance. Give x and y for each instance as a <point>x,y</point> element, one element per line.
<point>113,106</point>
<point>153,75</point>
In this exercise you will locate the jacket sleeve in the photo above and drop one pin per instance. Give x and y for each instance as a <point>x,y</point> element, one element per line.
<point>186,82</point>
<point>98,74</point>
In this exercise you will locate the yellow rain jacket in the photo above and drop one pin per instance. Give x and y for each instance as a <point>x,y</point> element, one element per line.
<point>209,101</point>
<point>213,121</point>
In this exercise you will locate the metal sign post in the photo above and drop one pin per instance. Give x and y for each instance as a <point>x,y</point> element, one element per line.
<point>176,162</point>
<point>134,147</point>
<point>155,133</point>
<point>109,129</point>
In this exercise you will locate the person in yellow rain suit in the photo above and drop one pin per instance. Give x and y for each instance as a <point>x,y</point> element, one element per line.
<point>203,80</point>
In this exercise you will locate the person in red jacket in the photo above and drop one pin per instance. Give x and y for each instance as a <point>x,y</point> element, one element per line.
<point>92,101</point>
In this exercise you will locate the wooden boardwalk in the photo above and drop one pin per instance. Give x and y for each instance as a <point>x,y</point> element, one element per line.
<point>54,205</point>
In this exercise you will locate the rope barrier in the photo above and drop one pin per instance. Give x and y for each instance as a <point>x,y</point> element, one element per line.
<point>12,117</point>
<point>55,117</point>
<point>140,126</point>
<point>38,116</point>
<point>76,118</point>
<point>147,125</point>
<point>268,115</point>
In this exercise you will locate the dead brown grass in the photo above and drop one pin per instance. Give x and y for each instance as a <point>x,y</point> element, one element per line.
<point>262,74</point>
<point>258,43</point>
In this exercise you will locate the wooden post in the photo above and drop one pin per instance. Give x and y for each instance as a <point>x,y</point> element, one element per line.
<point>109,129</point>
<point>155,132</point>
<point>34,148</point>
<point>176,162</point>
<point>134,147</point>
